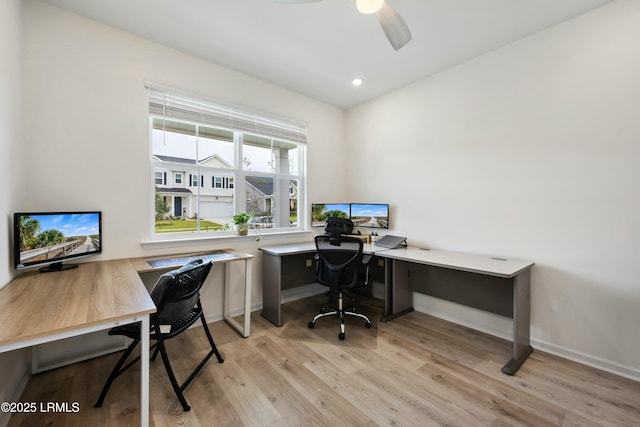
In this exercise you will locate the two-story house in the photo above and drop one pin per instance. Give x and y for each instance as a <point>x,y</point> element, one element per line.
<point>180,185</point>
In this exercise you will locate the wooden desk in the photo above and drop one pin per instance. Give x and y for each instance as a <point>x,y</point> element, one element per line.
<point>497,285</point>
<point>219,258</point>
<point>37,308</point>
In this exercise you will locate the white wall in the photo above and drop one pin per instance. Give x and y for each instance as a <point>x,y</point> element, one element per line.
<point>13,368</point>
<point>531,151</point>
<point>10,89</point>
<point>86,143</point>
<point>86,133</point>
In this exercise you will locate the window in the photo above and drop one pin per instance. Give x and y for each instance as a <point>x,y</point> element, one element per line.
<point>161,178</point>
<point>232,161</point>
<point>222,182</point>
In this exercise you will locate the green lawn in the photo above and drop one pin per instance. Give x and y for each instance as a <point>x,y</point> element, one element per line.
<point>177,225</point>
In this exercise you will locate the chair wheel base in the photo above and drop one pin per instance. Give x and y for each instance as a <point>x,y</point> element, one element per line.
<point>341,336</point>
<point>311,325</point>
<point>367,325</point>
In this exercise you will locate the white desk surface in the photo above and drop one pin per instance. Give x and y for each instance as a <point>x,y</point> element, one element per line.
<point>168,262</point>
<point>493,266</point>
<point>290,249</point>
<point>300,248</point>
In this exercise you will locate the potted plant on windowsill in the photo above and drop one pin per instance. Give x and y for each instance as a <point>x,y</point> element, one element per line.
<point>240,221</point>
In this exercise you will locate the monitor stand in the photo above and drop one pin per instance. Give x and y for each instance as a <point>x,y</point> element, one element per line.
<point>57,266</point>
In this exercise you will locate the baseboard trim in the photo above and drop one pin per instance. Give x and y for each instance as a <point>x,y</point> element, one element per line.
<point>502,327</point>
<point>587,359</point>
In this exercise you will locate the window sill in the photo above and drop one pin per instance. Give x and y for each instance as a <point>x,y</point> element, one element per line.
<point>194,241</point>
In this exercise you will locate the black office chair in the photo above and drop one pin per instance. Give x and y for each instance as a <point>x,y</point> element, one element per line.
<point>177,298</point>
<point>342,266</point>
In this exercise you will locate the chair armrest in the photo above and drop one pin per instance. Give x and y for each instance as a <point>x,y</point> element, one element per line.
<point>364,269</point>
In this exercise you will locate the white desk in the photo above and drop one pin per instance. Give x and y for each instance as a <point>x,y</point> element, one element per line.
<point>497,285</point>
<point>218,258</point>
<point>305,248</point>
<point>37,308</point>
<point>288,266</point>
<point>487,282</point>
<point>482,264</point>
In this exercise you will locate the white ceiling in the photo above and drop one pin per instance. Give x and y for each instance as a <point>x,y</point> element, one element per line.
<point>316,49</point>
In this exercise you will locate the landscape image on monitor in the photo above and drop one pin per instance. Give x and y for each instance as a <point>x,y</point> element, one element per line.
<point>321,211</point>
<point>370,215</point>
<point>49,237</point>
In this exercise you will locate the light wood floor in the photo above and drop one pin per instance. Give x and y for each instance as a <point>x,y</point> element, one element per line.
<point>414,371</point>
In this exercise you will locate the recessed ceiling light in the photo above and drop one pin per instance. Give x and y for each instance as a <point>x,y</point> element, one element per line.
<point>357,81</point>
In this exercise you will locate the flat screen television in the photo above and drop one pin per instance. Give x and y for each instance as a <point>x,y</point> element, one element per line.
<point>321,211</point>
<point>370,215</point>
<point>48,239</point>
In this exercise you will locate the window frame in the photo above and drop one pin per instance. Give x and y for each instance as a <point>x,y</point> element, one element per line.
<point>234,179</point>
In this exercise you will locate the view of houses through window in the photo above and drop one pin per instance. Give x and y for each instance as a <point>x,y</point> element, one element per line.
<point>205,174</point>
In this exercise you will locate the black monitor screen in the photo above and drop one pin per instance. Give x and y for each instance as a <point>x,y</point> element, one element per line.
<point>370,215</point>
<point>321,211</point>
<point>49,238</point>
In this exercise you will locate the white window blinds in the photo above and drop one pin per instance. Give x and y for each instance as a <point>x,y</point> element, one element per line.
<point>168,105</point>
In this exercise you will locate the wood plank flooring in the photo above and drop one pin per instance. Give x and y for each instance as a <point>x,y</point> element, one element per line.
<point>414,371</point>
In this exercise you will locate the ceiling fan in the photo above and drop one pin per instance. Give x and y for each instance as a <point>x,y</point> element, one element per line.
<point>392,23</point>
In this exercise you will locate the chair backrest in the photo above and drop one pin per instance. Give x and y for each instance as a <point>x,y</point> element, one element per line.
<point>176,292</point>
<point>336,227</point>
<point>338,261</point>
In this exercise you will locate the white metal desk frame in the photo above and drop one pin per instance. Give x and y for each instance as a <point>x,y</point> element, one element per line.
<point>77,330</point>
<point>218,257</point>
<point>243,329</point>
<point>144,352</point>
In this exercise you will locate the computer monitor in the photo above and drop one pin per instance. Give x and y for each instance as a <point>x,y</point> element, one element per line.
<point>370,215</point>
<point>321,211</point>
<point>48,239</point>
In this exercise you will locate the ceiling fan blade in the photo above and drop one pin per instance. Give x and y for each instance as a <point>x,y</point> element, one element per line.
<point>393,26</point>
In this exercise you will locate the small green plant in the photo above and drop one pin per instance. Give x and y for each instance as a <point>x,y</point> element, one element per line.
<point>241,218</point>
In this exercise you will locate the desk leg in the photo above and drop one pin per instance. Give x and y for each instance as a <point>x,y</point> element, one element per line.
<point>247,296</point>
<point>144,372</point>
<point>521,322</point>
<point>226,310</point>
<point>398,295</point>
<point>272,288</point>
<point>227,291</point>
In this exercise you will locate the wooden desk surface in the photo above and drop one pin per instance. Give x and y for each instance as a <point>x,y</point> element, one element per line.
<point>35,305</point>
